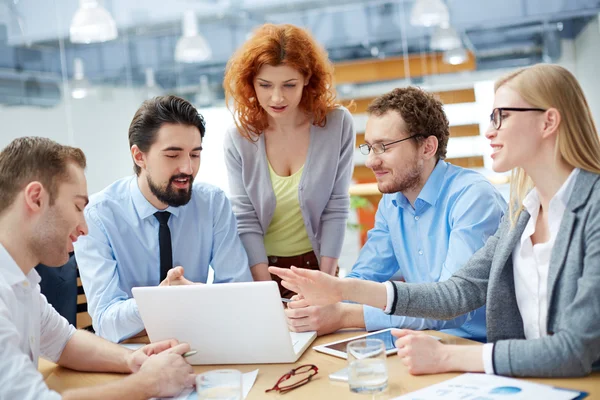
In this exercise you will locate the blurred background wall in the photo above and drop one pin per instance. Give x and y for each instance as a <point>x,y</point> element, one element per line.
<point>76,70</point>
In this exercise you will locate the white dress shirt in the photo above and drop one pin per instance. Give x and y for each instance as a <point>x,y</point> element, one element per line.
<point>29,327</point>
<point>531,264</point>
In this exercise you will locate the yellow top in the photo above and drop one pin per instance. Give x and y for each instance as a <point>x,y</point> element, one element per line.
<point>286,235</point>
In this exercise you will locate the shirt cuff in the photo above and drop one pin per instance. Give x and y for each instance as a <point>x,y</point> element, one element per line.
<point>376,319</point>
<point>488,358</point>
<point>389,287</point>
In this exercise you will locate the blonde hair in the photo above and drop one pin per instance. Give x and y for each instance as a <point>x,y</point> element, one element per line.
<point>577,143</point>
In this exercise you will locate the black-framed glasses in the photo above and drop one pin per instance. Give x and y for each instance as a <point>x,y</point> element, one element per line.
<point>380,148</point>
<point>496,115</point>
<point>295,378</point>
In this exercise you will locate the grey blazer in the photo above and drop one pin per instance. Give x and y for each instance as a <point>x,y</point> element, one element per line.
<point>322,191</point>
<point>573,345</point>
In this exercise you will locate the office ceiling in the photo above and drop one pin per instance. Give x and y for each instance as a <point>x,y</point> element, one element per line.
<point>36,54</point>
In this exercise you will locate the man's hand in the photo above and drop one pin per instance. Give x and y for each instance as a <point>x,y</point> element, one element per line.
<point>175,277</point>
<point>137,358</point>
<point>168,373</point>
<point>317,288</point>
<point>323,319</point>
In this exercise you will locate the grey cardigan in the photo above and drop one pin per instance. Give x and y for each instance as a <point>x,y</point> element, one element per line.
<point>322,191</point>
<point>573,345</point>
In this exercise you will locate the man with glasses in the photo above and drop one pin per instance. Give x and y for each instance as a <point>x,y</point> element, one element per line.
<point>433,216</point>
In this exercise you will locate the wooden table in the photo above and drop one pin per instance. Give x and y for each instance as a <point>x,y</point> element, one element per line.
<point>321,387</point>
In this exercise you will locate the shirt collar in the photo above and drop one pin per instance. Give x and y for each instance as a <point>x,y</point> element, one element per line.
<point>564,193</point>
<point>430,192</point>
<point>12,273</point>
<point>531,202</point>
<point>143,207</point>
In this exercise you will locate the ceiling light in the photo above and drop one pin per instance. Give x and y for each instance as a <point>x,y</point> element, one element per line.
<point>429,13</point>
<point>92,24</point>
<point>444,38</point>
<point>191,47</point>
<point>80,87</point>
<point>455,56</point>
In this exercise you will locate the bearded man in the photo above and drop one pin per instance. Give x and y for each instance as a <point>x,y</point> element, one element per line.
<point>141,226</point>
<point>431,219</point>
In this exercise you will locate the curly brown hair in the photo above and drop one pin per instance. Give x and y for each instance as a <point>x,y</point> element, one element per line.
<point>278,45</point>
<point>422,113</point>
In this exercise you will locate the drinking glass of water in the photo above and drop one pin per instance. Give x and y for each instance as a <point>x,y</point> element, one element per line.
<point>367,368</point>
<point>220,384</point>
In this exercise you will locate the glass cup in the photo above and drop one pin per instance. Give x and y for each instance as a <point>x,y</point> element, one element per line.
<point>367,368</point>
<point>220,384</point>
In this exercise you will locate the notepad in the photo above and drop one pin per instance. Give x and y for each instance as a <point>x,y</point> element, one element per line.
<point>491,387</point>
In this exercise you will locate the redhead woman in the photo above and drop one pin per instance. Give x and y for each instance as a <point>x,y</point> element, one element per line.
<point>539,274</point>
<point>290,154</point>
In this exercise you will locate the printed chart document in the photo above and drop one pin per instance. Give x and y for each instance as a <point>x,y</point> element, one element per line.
<point>490,387</point>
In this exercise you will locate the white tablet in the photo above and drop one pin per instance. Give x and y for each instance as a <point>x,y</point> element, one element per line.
<point>338,348</point>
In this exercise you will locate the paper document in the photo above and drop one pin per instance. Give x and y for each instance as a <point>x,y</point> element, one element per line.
<point>489,387</point>
<point>248,380</point>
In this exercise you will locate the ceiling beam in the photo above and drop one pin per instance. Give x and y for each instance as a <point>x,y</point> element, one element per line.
<point>364,71</point>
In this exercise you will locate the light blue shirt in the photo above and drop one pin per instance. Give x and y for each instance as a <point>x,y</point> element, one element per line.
<point>121,250</point>
<point>455,213</point>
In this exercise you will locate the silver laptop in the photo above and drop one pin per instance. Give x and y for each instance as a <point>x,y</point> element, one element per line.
<point>227,323</point>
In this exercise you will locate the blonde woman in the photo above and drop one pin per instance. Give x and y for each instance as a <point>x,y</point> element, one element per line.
<point>539,274</point>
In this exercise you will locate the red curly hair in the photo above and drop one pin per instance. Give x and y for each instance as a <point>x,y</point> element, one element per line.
<point>275,45</point>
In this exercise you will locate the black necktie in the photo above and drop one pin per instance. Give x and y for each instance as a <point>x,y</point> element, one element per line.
<point>164,243</point>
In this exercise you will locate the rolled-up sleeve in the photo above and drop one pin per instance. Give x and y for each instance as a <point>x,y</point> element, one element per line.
<point>19,378</point>
<point>55,331</point>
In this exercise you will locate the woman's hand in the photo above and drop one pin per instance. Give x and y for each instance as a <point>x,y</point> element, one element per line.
<point>421,353</point>
<point>316,287</point>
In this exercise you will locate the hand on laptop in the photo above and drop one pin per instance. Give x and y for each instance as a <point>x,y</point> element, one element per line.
<point>323,319</point>
<point>168,373</point>
<point>175,277</point>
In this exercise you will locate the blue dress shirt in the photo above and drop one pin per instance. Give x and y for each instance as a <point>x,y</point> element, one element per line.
<point>455,213</point>
<point>121,250</point>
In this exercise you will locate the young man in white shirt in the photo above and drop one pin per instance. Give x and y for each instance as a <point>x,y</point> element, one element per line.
<point>43,192</point>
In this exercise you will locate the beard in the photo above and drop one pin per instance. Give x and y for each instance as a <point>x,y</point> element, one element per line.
<point>171,195</point>
<point>409,179</point>
<point>49,244</point>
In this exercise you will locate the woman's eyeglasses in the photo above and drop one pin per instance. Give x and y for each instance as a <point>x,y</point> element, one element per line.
<point>295,378</point>
<point>496,115</point>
